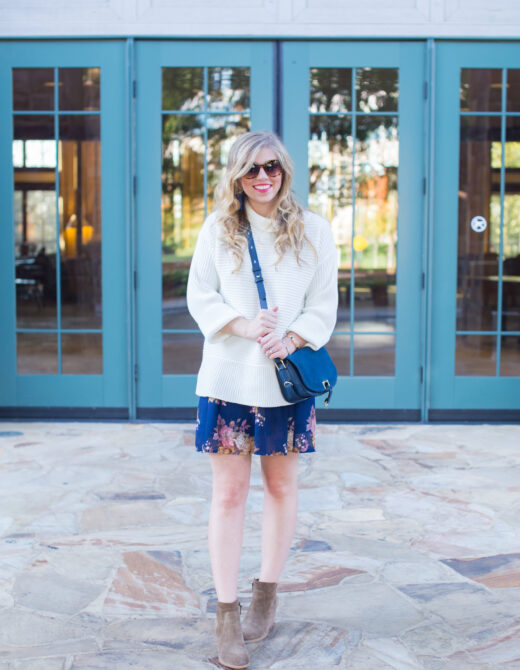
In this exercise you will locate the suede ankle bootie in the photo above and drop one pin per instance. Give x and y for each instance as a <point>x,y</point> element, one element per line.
<point>259,618</point>
<point>232,652</point>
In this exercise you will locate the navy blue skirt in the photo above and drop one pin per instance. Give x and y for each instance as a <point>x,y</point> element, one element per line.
<point>230,428</point>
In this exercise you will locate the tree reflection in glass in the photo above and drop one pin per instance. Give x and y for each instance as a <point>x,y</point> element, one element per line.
<point>204,109</point>
<point>353,184</point>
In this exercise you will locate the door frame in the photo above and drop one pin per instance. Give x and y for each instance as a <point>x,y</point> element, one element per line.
<point>161,395</point>
<point>458,397</point>
<point>74,395</point>
<point>380,398</point>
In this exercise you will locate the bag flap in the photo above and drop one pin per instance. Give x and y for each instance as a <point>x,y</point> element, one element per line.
<point>313,367</point>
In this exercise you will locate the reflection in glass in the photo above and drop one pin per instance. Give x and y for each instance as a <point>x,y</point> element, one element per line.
<point>33,89</point>
<point>375,238</point>
<point>480,90</point>
<point>377,89</point>
<point>82,353</point>
<point>228,89</point>
<point>35,222</point>
<point>222,132</point>
<point>80,221</point>
<point>339,350</point>
<point>190,344</point>
<point>195,148</point>
<point>479,195</point>
<point>364,226</point>
<point>511,233</point>
<point>510,356</point>
<point>37,353</point>
<point>174,282</point>
<point>182,205</point>
<point>330,175</point>
<point>475,355</point>
<point>79,88</point>
<point>182,88</point>
<point>36,260</point>
<point>374,355</point>
<point>331,89</point>
<point>513,90</point>
<point>183,184</point>
<point>175,311</point>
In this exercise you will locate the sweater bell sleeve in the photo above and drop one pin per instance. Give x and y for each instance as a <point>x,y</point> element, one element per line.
<point>318,317</point>
<point>205,303</point>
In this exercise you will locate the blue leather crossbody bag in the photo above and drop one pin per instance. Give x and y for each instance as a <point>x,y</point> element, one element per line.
<point>306,372</point>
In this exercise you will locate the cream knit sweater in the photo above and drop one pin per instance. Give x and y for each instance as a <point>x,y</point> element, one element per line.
<point>233,368</point>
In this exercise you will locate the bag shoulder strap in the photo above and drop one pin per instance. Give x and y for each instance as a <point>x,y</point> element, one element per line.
<point>257,270</point>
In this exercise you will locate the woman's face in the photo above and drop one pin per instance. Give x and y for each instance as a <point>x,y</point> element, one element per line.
<point>262,189</point>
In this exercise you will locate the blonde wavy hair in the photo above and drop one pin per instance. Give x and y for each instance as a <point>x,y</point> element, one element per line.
<point>288,213</point>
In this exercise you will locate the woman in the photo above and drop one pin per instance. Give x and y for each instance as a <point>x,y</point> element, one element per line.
<point>241,409</point>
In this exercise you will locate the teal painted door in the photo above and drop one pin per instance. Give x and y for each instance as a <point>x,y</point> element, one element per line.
<point>193,100</point>
<point>475,356</point>
<point>353,121</point>
<point>63,319</point>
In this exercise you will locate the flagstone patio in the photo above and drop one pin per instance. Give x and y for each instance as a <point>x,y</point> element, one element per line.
<point>406,555</point>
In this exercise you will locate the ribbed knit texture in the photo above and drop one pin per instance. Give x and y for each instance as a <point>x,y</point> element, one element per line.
<point>233,368</point>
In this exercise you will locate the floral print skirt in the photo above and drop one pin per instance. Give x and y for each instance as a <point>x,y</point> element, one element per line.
<point>230,428</point>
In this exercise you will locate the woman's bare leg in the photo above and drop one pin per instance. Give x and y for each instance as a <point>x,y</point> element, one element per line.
<point>280,475</point>
<point>231,476</point>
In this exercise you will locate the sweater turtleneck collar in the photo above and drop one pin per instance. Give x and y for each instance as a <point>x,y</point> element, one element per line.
<point>258,221</point>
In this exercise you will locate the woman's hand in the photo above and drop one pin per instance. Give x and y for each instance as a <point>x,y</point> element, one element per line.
<point>276,347</point>
<point>263,324</point>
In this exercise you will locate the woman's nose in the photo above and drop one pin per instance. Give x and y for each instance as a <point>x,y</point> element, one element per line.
<point>262,172</point>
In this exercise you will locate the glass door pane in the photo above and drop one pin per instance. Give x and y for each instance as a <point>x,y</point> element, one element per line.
<point>194,99</point>
<point>361,126</point>
<point>488,277</point>
<point>476,327</point>
<point>57,186</point>
<point>204,109</point>
<point>353,184</point>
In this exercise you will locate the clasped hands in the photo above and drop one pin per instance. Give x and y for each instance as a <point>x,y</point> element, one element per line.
<point>262,329</point>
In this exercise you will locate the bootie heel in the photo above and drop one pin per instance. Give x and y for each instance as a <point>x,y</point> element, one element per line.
<point>232,652</point>
<point>259,617</point>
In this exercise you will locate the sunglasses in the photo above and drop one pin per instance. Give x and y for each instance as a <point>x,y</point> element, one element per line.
<point>271,169</point>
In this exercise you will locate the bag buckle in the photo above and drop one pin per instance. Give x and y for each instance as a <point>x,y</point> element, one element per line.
<point>284,367</point>
<point>326,384</point>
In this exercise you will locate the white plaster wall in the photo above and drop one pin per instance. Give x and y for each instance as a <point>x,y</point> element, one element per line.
<point>305,18</point>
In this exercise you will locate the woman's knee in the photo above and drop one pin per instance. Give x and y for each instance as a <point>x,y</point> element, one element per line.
<point>230,480</point>
<point>280,486</point>
<point>229,495</point>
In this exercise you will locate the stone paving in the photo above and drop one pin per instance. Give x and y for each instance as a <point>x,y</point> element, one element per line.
<point>406,555</point>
